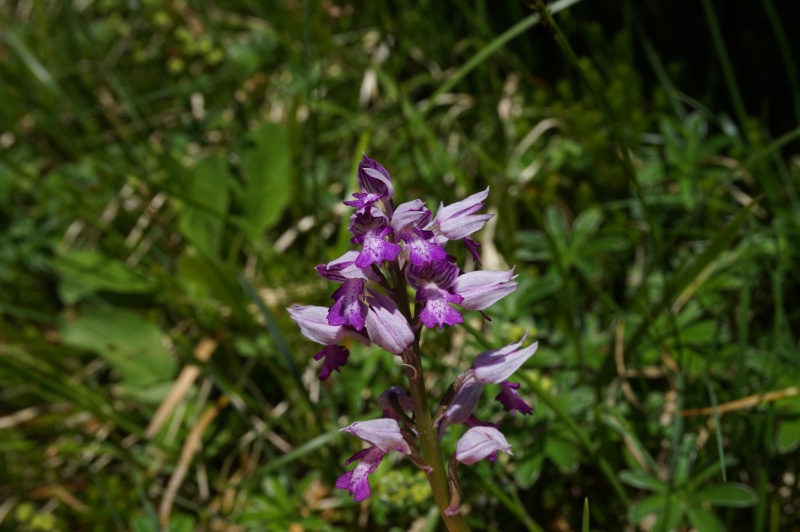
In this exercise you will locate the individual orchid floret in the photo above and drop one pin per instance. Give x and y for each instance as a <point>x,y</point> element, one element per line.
<point>408,221</point>
<point>371,229</point>
<point>383,433</point>
<point>497,365</point>
<point>349,307</point>
<point>433,282</point>
<point>511,401</point>
<point>386,325</point>
<point>460,410</point>
<point>344,268</point>
<point>363,201</point>
<point>459,220</point>
<point>391,399</point>
<point>385,436</point>
<point>373,178</point>
<point>479,443</point>
<point>313,322</point>
<point>357,480</point>
<point>481,289</point>
<point>335,357</point>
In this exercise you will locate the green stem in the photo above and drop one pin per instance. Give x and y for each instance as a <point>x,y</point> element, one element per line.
<point>429,441</point>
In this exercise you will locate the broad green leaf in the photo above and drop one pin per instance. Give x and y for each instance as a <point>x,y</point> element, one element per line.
<point>703,520</point>
<point>586,224</point>
<point>732,494</point>
<point>132,346</point>
<point>642,480</point>
<point>788,436</point>
<point>203,276</point>
<point>84,273</point>
<point>644,507</point>
<point>268,178</point>
<point>528,471</point>
<point>202,218</point>
<point>563,454</point>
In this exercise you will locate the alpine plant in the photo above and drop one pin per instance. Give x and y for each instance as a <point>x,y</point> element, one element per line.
<point>401,251</point>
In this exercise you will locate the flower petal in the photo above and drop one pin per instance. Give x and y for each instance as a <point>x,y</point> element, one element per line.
<point>357,480</point>
<point>511,401</point>
<point>386,325</point>
<point>335,357</point>
<point>458,220</point>
<point>497,365</point>
<point>479,443</point>
<point>349,308</point>
<point>482,288</point>
<point>383,433</point>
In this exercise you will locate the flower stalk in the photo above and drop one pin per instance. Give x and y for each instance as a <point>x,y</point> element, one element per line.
<point>375,308</point>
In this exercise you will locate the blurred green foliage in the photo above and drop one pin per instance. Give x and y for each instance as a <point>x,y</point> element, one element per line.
<point>171,172</point>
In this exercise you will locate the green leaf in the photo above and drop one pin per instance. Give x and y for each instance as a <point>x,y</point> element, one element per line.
<point>585,526</point>
<point>788,436</point>
<point>528,471</point>
<point>669,519</point>
<point>132,346</point>
<point>563,454</point>
<point>586,225</point>
<point>268,178</point>
<point>703,520</point>
<point>84,273</point>
<point>642,480</point>
<point>202,218</point>
<point>732,495</point>
<point>644,507</point>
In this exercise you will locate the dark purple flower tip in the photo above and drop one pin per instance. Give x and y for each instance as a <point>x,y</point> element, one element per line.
<point>349,308</point>
<point>472,247</point>
<point>511,401</point>
<point>373,178</point>
<point>357,480</point>
<point>335,357</point>
<point>403,399</point>
<point>363,201</point>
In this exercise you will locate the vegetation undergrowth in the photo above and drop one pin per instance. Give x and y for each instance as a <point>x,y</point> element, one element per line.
<point>171,173</point>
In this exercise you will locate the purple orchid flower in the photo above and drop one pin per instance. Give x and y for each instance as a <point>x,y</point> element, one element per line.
<point>479,443</point>
<point>459,220</point>
<point>370,229</point>
<point>403,400</point>
<point>313,322</point>
<point>408,220</point>
<point>433,282</point>
<point>335,357</point>
<point>497,365</point>
<point>511,401</point>
<point>385,436</point>
<point>386,325</point>
<point>438,284</point>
